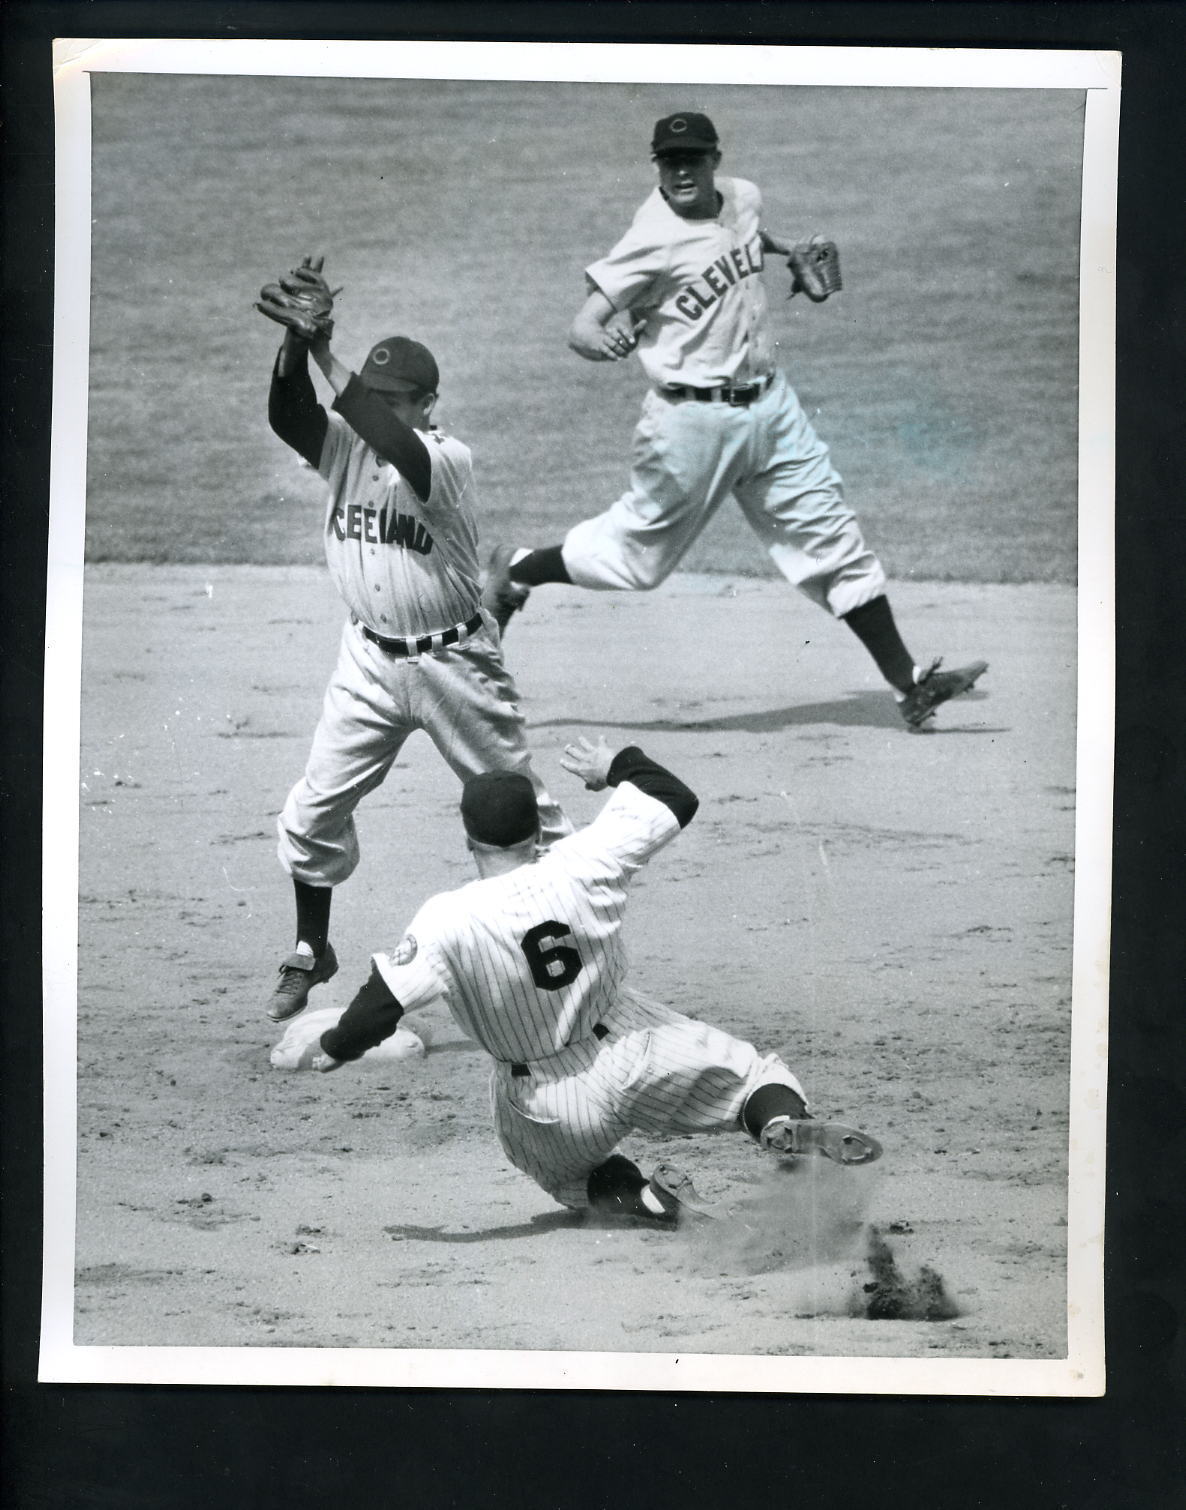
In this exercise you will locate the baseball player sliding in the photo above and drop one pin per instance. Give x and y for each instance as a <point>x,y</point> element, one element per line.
<point>417,651</point>
<point>683,287</point>
<point>531,962</point>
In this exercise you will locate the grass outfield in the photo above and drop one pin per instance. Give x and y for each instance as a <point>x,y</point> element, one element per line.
<point>944,377</point>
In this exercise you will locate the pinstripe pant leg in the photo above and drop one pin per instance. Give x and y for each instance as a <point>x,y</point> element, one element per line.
<point>559,1130</point>
<point>686,1077</point>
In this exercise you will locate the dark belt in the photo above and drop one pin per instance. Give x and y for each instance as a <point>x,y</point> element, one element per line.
<point>737,394</point>
<point>520,1070</point>
<point>426,642</point>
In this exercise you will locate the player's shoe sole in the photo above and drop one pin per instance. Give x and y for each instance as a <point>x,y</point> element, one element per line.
<point>678,1195</point>
<point>794,1137</point>
<point>501,594</point>
<point>936,687</point>
<point>298,975</point>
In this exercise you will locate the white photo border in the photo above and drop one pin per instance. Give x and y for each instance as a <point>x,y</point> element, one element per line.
<point>1095,72</point>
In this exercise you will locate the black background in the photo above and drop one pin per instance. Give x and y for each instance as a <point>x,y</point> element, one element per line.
<point>117,1447</point>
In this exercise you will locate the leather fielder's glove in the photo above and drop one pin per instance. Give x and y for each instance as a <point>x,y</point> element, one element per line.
<point>815,269</point>
<point>302,301</point>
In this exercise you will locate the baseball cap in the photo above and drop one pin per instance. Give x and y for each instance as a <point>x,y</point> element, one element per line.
<point>686,132</point>
<point>499,808</point>
<point>397,362</point>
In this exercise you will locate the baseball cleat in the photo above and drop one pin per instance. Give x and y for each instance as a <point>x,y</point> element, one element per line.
<point>935,687</point>
<point>502,595</point>
<point>298,975</point>
<point>674,1189</point>
<point>798,1136</point>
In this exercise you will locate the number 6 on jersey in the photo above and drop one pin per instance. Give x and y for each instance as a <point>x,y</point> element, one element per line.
<point>553,965</point>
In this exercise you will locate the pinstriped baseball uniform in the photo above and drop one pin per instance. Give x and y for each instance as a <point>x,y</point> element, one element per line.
<point>532,965</point>
<point>407,569</point>
<point>698,285</point>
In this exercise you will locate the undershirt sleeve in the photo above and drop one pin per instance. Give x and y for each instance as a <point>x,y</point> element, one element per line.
<point>656,781</point>
<point>370,418</point>
<point>294,413</point>
<point>370,1018</point>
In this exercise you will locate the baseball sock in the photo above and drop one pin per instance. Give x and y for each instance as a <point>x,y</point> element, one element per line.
<point>312,910</point>
<point>767,1102</point>
<point>620,1187</point>
<point>873,624</point>
<point>533,568</point>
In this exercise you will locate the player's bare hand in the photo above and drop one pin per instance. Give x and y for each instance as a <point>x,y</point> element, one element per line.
<point>591,762</point>
<point>619,335</point>
<point>325,1063</point>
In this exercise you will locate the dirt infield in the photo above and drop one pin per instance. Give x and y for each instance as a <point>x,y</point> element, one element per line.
<point>890,912</point>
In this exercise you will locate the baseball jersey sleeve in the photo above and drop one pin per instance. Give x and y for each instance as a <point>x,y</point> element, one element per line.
<point>631,827</point>
<point>335,451</point>
<point>452,470</point>
<point>414,970</point>
<point>630,271</point>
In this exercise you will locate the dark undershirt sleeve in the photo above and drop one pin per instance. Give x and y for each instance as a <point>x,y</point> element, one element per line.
<point>370,418</point>
<point>295,415</point>
<point>632,765</point>
<point>371,1017</point>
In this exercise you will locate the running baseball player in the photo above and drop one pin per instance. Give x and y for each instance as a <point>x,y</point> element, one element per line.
<point>683,287</point>
<point>417,651</point>
<point>531,962</point>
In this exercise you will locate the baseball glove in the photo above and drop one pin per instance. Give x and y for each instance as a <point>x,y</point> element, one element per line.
<point>302,301</point>
<point>815,269</point>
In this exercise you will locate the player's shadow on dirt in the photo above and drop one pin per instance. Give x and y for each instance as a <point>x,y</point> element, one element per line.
<point>548,1221</point>
<point>873,710</point>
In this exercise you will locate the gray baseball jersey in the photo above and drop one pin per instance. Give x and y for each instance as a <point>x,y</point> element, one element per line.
<point>697,284</point>
<point>719,418</point>
<point>407,569</point>
<point>404,566</point>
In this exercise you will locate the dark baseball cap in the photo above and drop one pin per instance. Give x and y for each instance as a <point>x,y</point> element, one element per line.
<point>686,132</point>
<point>499,808</point>
<point>397,362</point>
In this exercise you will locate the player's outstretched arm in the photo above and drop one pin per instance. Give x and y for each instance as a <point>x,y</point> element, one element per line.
<point>772,243</point>
<point>601,333</point>
<point>302,302</point>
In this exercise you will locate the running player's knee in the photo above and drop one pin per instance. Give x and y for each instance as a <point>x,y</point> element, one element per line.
<point>317,854</point>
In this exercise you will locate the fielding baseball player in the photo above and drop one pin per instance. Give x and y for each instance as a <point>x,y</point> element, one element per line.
<point>531,962</point>
<point>417,651</point>
<point>683,287</point>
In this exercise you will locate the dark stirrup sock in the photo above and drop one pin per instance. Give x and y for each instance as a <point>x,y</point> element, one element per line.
<point>540,566</point>
<point>873,624</point>
<point>312,915</point>
<point>616,1186</point>
<point>770,1101</point>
